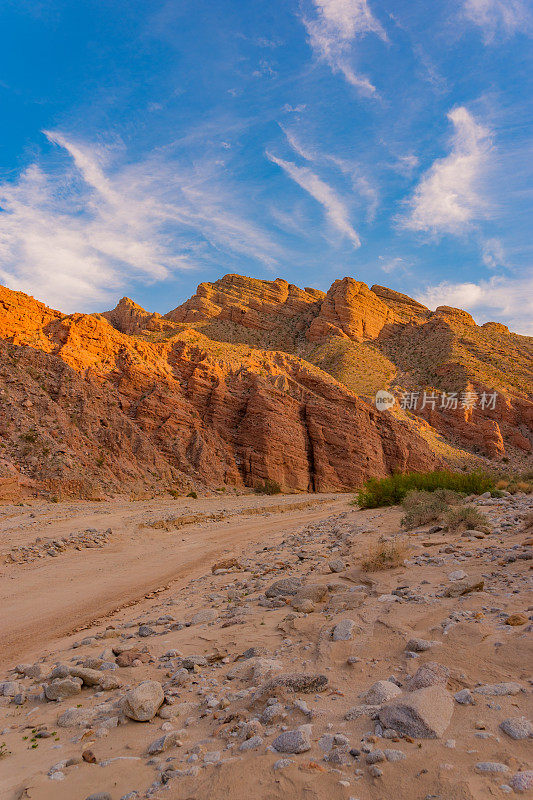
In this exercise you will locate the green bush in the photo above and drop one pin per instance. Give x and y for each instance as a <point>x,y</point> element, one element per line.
<point>392,490</point>
<point>269,487</point>
<point>193,495</point>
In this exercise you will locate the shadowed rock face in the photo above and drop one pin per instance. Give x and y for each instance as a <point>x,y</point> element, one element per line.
<point>223,389</point>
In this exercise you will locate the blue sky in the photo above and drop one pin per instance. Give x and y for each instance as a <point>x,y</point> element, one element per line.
<point>148,146</point>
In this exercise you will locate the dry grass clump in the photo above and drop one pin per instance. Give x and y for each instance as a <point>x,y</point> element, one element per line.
<point>466,518</point>
<point>523,482</point>
<point>385,555</point>
<point>424,507</point>
<point>528,522</point>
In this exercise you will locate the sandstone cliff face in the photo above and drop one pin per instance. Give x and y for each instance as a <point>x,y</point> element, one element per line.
<point>352,310</point>
<point>129,317</point>
<point>94,407</point>
<point>252,303</point>
<point>216,392</point>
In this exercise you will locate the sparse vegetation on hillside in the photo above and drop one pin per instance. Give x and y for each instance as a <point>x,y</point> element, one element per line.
<point>392,490</point>
<point>358,365</point>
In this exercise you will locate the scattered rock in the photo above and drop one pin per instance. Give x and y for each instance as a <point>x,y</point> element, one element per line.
<point>342,632</point>
<point>284,587</point>
<point>460,588</point>
<point>143,702</point>
<point>381,692</point>
<point>429,674</point>
<point>517,727</point>
<point>423,713</point>
<point>297,741</point>
<point>62,688</point>
<point>522,781</point>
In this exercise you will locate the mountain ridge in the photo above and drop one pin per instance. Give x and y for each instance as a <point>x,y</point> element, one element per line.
<point>250,380</point>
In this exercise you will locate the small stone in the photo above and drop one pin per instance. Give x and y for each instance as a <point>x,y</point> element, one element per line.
<point>58,690</point>
<point>491,766</point>
<point>251,744</point>
<point>165,743</point>
<point>498,689</point>
<point>342,632</point>
<point>419,645</point>
<point>283,587</point>
<point>297,741</point>
<point>99,796</point>
<point>375,757</point>
<point>283,763</point>
<point>316,592</point>
<point>457,575</point>
<point>206,615</point>
<point>517,727</point>
<point>381,692</point>
<point>143,702</point>
<point>89,756</point>
<point>464,697</point>
<point>337,565</point>
<point>375,771</point>
<point>460,588</point>
<point>303,605</point>
<point>429,674</point>
<point>394,755</point>
<point>522,781</point>
<point>423,714</point>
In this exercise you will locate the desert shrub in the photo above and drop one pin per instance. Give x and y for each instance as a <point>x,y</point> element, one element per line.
<point>173,493</point>
<point>528,521</point>
<point>392,490</point>
<point>269,487</point>
<point>384,555</point>
<point>466,518</point>
<point>423,507</point>
<point>523,482</point>
<point>193,495</point>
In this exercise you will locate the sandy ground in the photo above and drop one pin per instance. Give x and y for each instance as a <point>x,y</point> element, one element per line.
<point>46,599</point>
<point>53,611</point>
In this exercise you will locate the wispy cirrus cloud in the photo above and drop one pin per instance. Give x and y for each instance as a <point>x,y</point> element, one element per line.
<point>361,184</point>
<point>448,197</point>
<point>335,209</point>
<point>499,18</point>
<point>502,298</point>
<point>333,31</point>
<point>75,233</point>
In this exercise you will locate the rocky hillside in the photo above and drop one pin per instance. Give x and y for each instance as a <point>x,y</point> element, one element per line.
<point>249,380</point>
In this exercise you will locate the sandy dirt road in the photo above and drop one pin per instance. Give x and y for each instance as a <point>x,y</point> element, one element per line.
<point>47,599</point>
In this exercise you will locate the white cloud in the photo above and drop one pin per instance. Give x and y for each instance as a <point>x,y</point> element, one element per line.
<point>334,29</point>
<point>498,18</point>
<point>334,208</point>
<point>360,183</point>
<point>73,235</point>
<point>390,265</point>
<point>493,254</point>
<point>447,199</point>
<point>503,299</point>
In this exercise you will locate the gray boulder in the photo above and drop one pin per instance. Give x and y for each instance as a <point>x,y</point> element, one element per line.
<point>423,714</point>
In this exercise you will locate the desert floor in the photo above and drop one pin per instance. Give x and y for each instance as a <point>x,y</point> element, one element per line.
<point>127,592</point>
